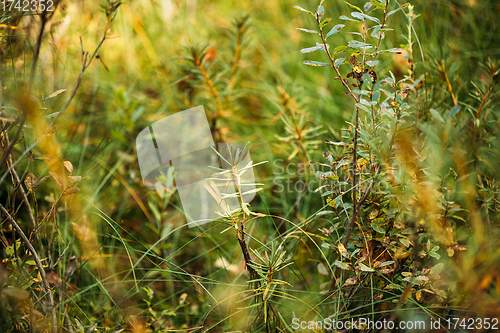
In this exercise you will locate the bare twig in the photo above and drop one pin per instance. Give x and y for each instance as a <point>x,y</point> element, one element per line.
<point>211,85</point>
<point>86,61</point>
<point>8,157</point>
<point>344,82</point>
<point>43,18</point>
<point>25,197</point>
<point>241,229</point>
<point>39,266</point>
<point>9,147</point>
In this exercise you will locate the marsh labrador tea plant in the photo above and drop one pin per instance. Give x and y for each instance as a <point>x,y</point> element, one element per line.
<point>388,239</point>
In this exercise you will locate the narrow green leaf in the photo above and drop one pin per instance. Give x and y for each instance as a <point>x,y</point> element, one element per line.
<point>342,265</point>
<point>361,106</point>
<point>364,102</point>
<point>377,33</point>
<point>362,16</point>
<point>340,48</point>
<point>325,22</point>
<point>325,212</point>
<point>303,10</point>
<point>322,269</point>
<point>398,9</point>
<point>455,110</point>
<point>436,115</point>
<point>308,31</point>
<point>378,85</point>
<point>405,242</point>
<point>368,80</point>
<point>386,263</point>
<point>377,4</point>
<point>310,49</point>
<point>345,18</point>
<point>315,63</point>
<point>335,30</point>
<point>395,50</point>
<point>365,268</point>
<point>55,93</point>
<point>338,62</point>
<point>355,7</point>
<point>320,12</point>
<point>355,44</point>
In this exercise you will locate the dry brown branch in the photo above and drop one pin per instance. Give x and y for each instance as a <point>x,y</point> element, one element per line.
<point>39,265</point>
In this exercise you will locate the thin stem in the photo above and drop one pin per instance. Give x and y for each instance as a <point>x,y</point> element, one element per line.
<point>344,82</point>
<point>354,152</point>
<point>210,84</point>
<point>214,126</point>
<point>23,194</point>
<point>237,52</point>
<point>364,47</point>
<point>86,61</point>
<point>240,233</point>
<point>381,32</point>
<point>43,17</point>
<point>39,266</point>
